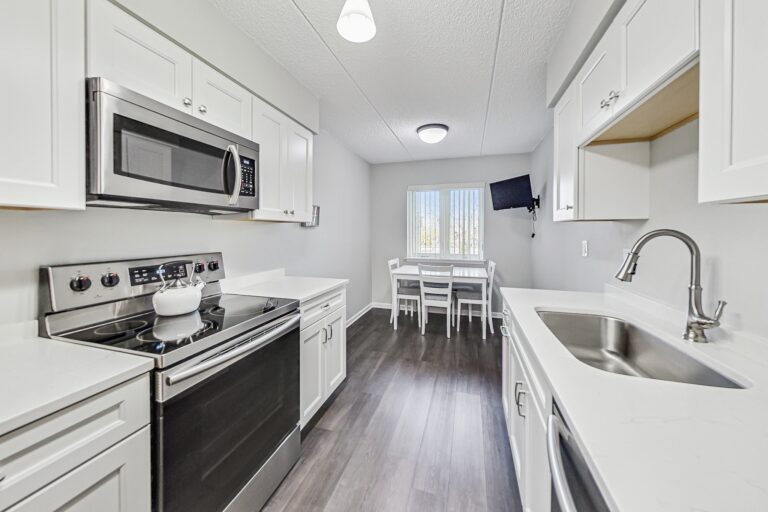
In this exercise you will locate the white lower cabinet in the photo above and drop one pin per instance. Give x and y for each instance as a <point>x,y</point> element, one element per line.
<point>117,480</point>
<point>323,357</point>
<point>42,127</point>
<point>526,426</point>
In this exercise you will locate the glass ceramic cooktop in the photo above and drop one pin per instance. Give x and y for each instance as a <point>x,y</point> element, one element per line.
<point>155,334</point>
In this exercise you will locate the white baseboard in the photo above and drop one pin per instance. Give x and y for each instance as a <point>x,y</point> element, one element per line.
<point>475,313</point>
<point>359,314</point>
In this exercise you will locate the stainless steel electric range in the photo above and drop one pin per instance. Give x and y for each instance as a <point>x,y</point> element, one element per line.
<point>225,388</point>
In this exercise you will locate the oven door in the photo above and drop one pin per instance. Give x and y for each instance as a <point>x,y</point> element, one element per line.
<point>144,151</point>
<point>220,417</point>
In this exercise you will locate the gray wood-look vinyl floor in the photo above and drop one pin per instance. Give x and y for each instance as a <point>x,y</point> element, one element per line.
<point>417,426</point>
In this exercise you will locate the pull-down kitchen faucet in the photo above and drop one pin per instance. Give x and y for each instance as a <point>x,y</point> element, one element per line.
<point>698,322</point>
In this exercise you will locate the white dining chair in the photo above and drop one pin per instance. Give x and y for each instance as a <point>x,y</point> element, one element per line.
<point>476,297</point>
<point>436,291</point>
<point>410,293</point>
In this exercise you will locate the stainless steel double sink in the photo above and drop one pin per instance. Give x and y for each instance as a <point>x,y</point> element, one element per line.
<point>616,346</point>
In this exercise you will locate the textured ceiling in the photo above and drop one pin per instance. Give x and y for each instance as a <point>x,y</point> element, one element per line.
<point>476,65</point>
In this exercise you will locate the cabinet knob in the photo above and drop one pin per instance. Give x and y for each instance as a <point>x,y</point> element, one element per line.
<point>203,109</point>
<point>293,212</point>
<point>285,212</point>
<point>569,207</point>
<point>187,101</point>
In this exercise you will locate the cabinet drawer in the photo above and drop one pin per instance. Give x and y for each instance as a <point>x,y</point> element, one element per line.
<point>117,480</point>
<point>35,455</point>
<point>319,307</point>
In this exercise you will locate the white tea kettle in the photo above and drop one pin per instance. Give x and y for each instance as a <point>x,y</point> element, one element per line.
<point>178,297</point>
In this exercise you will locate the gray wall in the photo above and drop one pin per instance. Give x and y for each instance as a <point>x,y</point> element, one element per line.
<point>731,237</point>
<point>507,233</point>
<point>340,247</point>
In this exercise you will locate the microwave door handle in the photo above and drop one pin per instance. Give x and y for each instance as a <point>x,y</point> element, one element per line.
<point>232,150</point>
<point>556,428</point>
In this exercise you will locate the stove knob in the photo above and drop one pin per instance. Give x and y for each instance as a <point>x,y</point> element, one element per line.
<point>213,266</point>
<point>199,268</point>
<point>110,279</point>
<point>80,283</point>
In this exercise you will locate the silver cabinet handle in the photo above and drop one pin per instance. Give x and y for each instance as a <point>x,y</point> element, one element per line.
<point>505,331</point>
<point>293,212</point>
<point>518,385</point>
<point>202,109</point>
<point>285,212</point>
<point>569,207</point>
<point>330,328</point>
<point>2,477</point>
<point>325,335</point>
<point>555,429</point>
<point>604,104</point>
<point>187,101</point>
<point>520,394</point>
<point>326,307</point>
<point>228,355</point>
<point>505,312</point>
<point>613,95</point>
<point>235,155</point>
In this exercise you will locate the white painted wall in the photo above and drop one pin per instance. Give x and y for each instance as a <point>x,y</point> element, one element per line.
<point>507,232</point>
<point>202,28</point>
<point>340,247</point>
<point>731,237</point>
<point>587,22</point>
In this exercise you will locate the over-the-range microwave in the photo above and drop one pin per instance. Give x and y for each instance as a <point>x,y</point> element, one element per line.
<point>146,155</point>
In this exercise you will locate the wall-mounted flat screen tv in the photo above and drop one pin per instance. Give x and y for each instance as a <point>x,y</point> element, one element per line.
<point>512,193</point>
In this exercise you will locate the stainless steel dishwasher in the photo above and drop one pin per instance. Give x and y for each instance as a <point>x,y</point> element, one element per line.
<point>573,487</point>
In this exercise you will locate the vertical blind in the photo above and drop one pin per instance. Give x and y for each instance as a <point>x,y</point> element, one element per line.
<point>445,222</point>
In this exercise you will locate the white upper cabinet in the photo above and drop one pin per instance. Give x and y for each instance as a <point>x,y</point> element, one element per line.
<point>733,133</point>
<point>42,128</point>
<point>220,101</point>
<point>299,156</point>
<point>125,50</point>
<point>599,84</point>
<point>268,129</point>
<point>566,158</point>
<point>656,37</point>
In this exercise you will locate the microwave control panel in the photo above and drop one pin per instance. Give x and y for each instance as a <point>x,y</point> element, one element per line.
<point>248,186</point>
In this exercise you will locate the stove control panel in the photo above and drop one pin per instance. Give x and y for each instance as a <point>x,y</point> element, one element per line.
<point>66,287</point>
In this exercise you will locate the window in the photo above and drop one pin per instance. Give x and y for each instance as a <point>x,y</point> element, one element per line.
<point>446,221</point>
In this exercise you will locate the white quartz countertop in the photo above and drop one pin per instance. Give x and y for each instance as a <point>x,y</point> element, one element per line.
<point>39,376</point>
<point>651,444</point>
<point>275,284</point>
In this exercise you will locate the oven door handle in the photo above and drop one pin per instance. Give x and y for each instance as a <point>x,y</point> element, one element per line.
<point>555,429</point>
<point>244,349</point>
<point>233,153</point>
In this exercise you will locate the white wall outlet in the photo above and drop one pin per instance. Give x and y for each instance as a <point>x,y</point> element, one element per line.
<point>585,248</point>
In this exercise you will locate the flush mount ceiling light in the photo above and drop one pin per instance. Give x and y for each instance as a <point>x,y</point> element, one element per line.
<point>432,133</point>
<point>356,21</point>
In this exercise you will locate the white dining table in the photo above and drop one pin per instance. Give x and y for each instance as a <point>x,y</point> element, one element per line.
<point>469,275</point>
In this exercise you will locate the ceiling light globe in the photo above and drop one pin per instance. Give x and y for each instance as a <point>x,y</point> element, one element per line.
<point>356,21</point>
<point>432,133</point>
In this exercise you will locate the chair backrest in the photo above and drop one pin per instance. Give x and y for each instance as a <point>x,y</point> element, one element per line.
<point>436,280</point>
<point>393,264</point>
<point>491,271</point>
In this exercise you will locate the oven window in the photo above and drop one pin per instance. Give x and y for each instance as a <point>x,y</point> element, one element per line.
<point>149,153</point>
<point>211,439</point>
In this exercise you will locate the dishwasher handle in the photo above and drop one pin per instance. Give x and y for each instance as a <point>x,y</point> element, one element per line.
<point>555,429</point>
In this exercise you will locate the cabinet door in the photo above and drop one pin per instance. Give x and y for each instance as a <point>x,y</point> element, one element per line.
<point>335,351</point>
<point>299,142</point>
<point>505,375</point>
<point>733,154</point>
<point>268,133</point>
<point>566,157</point>
<point>42,128</point>
<point>126,51</point>
<point>220,101</point>
<point>311,363</point>
<point>599,84</point>
<point>537,478</point>
<point>517,412</point>
<point>657,37</point>
<point>118,480</point>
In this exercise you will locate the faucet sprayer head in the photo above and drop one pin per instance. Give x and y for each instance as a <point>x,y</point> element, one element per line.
<point>628,268</point>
